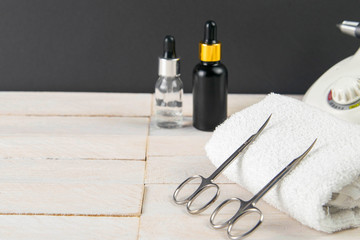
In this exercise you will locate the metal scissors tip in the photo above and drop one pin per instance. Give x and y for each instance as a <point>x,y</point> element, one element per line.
<point>263,126</point>
<point>307,150</point>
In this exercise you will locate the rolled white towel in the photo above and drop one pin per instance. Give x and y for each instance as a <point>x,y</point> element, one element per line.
<point>323,191</point>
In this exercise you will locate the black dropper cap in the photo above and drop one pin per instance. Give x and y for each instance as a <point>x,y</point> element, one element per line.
<point>210,36</point>
<point>169,47</point>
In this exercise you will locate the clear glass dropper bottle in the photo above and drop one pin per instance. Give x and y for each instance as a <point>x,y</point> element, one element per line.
<point>169,88</point>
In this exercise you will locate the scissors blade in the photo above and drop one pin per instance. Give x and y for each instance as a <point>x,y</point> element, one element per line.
<point>280,175</point>
<point>261,128</point>
<point>239,150</point>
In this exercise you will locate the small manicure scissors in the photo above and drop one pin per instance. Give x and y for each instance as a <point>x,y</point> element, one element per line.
<point>207,183</point>
<point>248,207</point>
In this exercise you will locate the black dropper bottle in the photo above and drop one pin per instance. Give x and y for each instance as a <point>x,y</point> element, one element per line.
<point>209,83</point>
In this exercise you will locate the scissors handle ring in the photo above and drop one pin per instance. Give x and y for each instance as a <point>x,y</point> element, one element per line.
<point>205,184</point>
<point>218,209</point>
<point>238,216</point>
<point>203,187</point>
<point>178,189</point>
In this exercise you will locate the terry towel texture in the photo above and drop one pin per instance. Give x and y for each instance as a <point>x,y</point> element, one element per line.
<point>323,191</point>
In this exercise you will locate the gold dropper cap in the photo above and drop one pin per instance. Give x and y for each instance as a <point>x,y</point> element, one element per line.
<point>209,53</point>
<point>210,48</point>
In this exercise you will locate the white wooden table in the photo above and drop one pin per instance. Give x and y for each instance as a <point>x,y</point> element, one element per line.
<point>94,166</point>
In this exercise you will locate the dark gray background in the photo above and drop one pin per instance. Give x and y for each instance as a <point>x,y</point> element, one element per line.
<point>112,45</point>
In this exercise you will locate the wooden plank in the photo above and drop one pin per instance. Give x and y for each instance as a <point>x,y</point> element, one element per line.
<point>197,227</point>
<point>64,227</point>
<point>187,129</point>
<point>71,171</point>
<point>178,228</point>
<point>75,104</point>
<point>162,218</point>
<point>104,199</point>
<point>177,145</point>
<point>175,169</point>
<point>185,141</point>
<point>20,125</point>
<point>236,102</point>
<point>73,137</point>
<point>71,187</point>
<point>73,147</point>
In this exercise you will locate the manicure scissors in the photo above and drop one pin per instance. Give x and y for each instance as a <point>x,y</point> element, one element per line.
<point>207,183</point>
<point>248,207</point>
